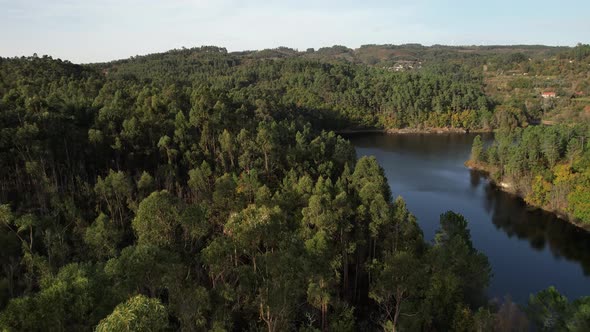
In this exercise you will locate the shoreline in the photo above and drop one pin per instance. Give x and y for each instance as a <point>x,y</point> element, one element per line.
<point>394,131</point>
<point>508,188</point>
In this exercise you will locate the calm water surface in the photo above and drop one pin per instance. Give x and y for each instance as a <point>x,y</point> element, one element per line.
<point>528,250</point>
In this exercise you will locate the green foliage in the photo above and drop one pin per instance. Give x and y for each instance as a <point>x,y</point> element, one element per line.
<point>397,280</point>
<point>216,190</point>
<point>547,164</point>
<point>139,313</point>
<point>145,185</point>
<point>547,310</point>
<point>461,273</point>
<point>484,320</point>
<point>115,191</point>
<point>142,267</point>
<point>103,237</point>
<point>579,315</point>
<point>581,51</point>
<point>579,201</point>
<point>157,219</point>
<point>76,298</point>
<point>477,149</point>
<point>551,311</point>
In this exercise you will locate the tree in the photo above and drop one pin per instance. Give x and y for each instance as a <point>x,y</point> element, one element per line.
<point>579,315</point>
<point>453,226</point>
<point>145,185</point>
<point>23,224</point>
<point>224,193</point>
<point>139,313</point>
<point>406,234</point>
<point>548,309</point>
<point>227,147</point>
<point>510,317</point>
<point>477,149</point>
<point>157,219</point>
<point>265,140</point>
<point>483,320</point>
<point>191,303</point>
<point>200,182</point>
<point>579,202</point>
<point>253,231</point>
<point>463,320</point>
<point>540,189</point>
<point>143,268</point>
<point>103,237</point>
<point>281,286</point>
<point>460,274</point>
<point>550,147</point>
<point>74,299</point>
<point>397,280</point>
<point>115,191</point>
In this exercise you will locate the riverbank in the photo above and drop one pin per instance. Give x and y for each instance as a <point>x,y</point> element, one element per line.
<point>511,189</point>
<point>442,130</point>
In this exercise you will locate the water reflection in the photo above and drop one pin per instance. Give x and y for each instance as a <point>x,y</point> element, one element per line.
<point>529,250</point>
<point>541,229</point>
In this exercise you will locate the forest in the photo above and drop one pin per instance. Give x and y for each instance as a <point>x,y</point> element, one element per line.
<point>201,190</point>
<point>549,166</point>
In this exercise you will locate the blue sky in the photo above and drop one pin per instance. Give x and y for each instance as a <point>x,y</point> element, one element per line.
<point>91,31</point>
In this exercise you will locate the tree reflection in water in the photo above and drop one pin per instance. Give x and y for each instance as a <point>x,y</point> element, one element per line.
<point>540,228</point>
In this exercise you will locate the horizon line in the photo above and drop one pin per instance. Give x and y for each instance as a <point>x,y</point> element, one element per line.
<point>181,48</point>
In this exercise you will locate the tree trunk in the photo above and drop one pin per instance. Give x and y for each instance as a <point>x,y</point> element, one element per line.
<point>324,316</point>
<point>356,278</point>
<point>345,272</point>
<point>266,162</point>
<point>398,307</point>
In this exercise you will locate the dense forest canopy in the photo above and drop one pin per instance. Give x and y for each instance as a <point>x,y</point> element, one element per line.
<point>548,166</point>
<point>203,190</point>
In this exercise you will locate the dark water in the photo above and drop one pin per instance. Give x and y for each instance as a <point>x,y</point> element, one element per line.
<point>528,250</point>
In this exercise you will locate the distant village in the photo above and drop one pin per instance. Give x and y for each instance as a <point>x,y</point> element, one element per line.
<point>403,65</point>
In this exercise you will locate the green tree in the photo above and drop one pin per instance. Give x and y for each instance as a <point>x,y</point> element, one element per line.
<point>103,237</point>
<point>74,299</point>
<point>548,310</point>
<point>579,315</point>
<point>145,185</point>
<point>157,219</point>
<point>115,191</point>
<point>396,280</point>
<point>477,149</point>
<point>579,202</point>
<point>227,148</point>
<point>200,182</point>
<point>139,313</point>
<point>460,274</point>
<point>143,268</point>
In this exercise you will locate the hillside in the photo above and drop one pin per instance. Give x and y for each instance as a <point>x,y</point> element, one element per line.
<point>199,189</point>
<point>514,79</point>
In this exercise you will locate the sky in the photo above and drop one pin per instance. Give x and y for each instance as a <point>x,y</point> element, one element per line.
<point>85,31</point>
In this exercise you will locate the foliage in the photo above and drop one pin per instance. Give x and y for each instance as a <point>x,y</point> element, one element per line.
<point>139,313</point>
<point>203,190</point>
<point>551,311</point>
<point>548,166</point>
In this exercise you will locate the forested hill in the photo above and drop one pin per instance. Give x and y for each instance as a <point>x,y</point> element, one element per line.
<point>199,201</point>
<point>200,190</point>
<point>513,78</point>
<point>335,94</point>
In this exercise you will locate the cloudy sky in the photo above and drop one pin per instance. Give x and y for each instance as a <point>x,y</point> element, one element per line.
<point>102,30</point>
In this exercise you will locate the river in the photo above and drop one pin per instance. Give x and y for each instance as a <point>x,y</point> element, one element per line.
<point>529,250</point>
